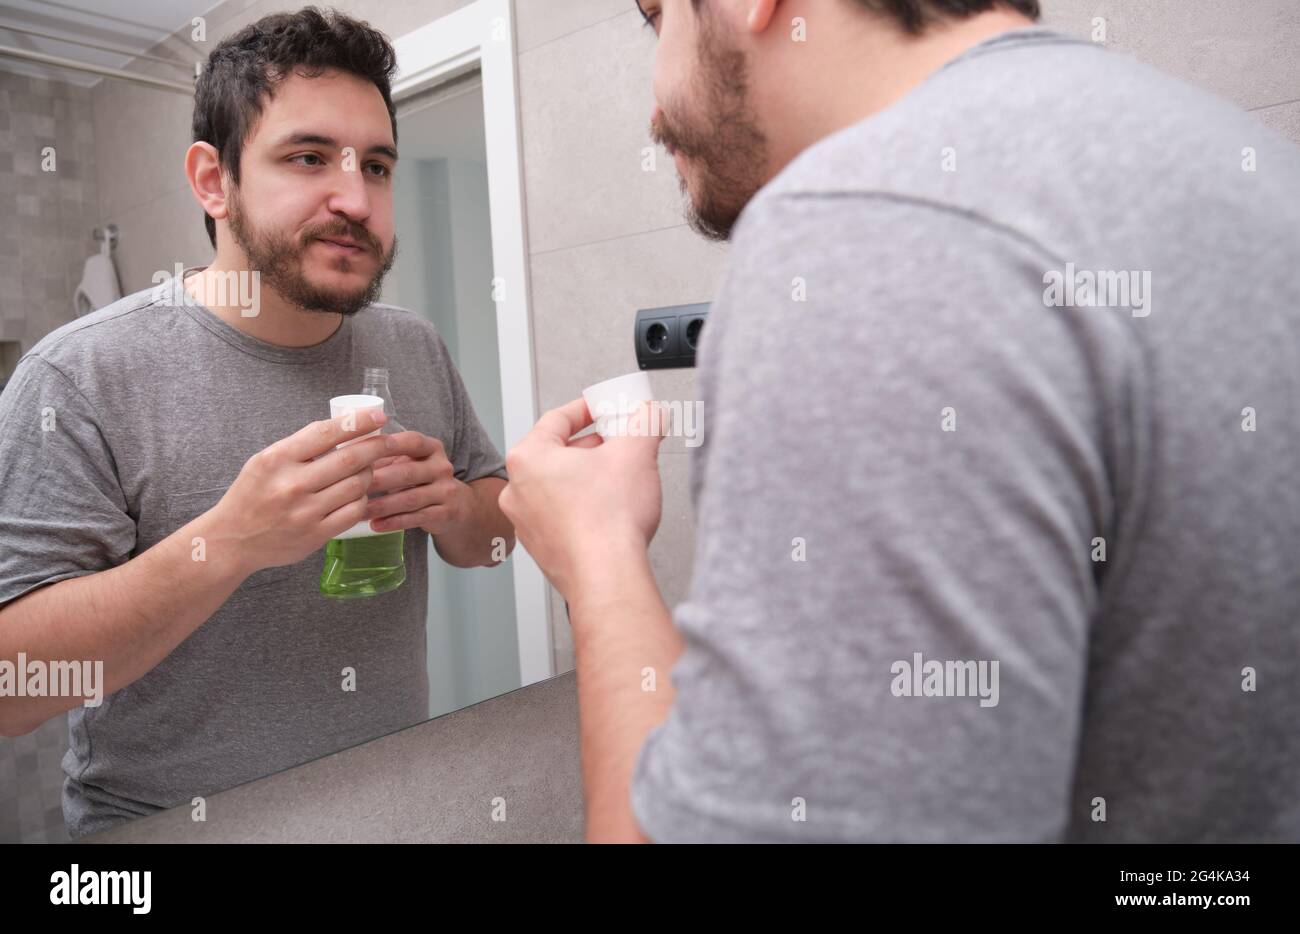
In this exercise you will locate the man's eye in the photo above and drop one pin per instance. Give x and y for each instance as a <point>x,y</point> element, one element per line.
<point>384,171</point>
<point>307,155</point>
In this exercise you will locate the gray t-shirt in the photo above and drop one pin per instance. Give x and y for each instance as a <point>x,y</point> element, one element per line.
<point>158,403</point>
<point>895,281</point>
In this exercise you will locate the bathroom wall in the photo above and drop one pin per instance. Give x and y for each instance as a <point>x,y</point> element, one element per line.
<point>605,237</point>
<point>49,207</point>
<point>45,238</point>
<point>1244,50</point>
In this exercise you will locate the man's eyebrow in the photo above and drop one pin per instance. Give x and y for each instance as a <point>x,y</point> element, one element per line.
<point>302,139</point>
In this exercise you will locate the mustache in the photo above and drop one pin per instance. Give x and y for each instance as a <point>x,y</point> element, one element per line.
<point>663,133</point>
<point>358,234</point>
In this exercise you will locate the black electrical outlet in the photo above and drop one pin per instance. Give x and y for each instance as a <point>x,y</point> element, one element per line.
<point>668,337</point>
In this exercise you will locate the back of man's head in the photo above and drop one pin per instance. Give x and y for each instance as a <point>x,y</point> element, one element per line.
<point>915,15</point>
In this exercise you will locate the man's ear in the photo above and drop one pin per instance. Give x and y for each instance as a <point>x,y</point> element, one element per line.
<point>203,168</point>
<point>760,14</point>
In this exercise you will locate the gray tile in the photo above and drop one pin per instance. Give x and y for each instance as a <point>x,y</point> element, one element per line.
<point>26,159</point>
<point>9,829</point>
<point>23,744</point>
<point>31,827</point>
<point>26,765</point>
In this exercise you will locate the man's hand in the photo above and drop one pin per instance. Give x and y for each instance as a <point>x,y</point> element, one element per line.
<point>421,487</point>
<point>294,496</point>
<point>577,505</point>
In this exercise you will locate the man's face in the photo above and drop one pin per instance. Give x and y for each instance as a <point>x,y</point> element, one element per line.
<point>318,166</point>
<point>704,115</point>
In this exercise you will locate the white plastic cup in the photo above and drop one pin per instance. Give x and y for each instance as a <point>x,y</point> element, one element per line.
<point>342,405</point>
<point>612,402</point>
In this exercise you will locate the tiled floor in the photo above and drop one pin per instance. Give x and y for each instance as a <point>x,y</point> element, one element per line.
<point>31,785</point>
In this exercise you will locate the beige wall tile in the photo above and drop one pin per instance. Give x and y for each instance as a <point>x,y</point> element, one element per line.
<point>541,21</point>
<point>606,237</point>
<point>157,235</point>
<point>584,302</point>
<point>1283,118</point>
<point>585,103</point>
<point>1243,51</point>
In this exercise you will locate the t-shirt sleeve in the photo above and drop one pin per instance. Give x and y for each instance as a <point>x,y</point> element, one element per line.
<point>62,511</point>
<point>901,470</point>
<point>473,455</point>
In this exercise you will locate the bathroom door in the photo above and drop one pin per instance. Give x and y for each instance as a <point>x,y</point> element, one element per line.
<point>444,272</point>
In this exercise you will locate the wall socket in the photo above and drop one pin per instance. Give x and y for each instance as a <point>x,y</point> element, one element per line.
<point>667,337</point>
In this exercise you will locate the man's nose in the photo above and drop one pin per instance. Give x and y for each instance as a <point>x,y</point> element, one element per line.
<point>350,196</point>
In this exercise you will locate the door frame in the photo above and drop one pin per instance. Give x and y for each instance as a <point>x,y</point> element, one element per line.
<point>481,35</point>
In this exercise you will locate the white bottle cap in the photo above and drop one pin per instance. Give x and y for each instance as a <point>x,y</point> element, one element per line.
<point>341,405</point>
<point>612,402</point>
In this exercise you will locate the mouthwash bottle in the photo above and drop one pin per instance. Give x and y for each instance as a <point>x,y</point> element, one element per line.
<point>362,562</point>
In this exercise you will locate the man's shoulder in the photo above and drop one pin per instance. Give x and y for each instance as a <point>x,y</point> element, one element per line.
<point>1028,103</point>
<point>399,314</point>
<point>1019,136</point>
<point>401,327</point>
<point>120,327</point>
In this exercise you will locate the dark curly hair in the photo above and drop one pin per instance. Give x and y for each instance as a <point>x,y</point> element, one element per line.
<point>915,15</point>
<point>245,68</point>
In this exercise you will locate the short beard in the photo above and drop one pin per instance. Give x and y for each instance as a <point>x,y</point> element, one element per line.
<point>730,154</point>
<point>279,260</point>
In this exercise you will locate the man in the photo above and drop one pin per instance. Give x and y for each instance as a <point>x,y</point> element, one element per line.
<point>996,517</point>
<point>162,506</point>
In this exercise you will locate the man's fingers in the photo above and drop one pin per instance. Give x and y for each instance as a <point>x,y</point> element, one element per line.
<point>651,419</point>
<point>392,504</point>
<point>559,425</point>
<point>407,472</point>
<point>323,436</point>
<point>336,465</point>
<point>592,440</point>
<point>414,444</point>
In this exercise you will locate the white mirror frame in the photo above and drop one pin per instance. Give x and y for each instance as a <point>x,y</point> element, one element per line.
<point>482,34</point>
